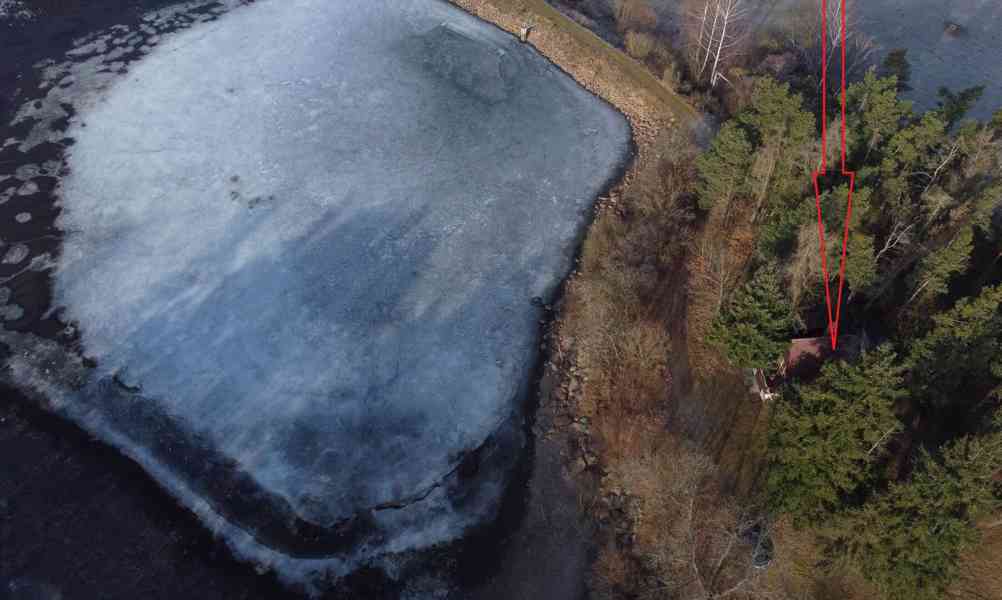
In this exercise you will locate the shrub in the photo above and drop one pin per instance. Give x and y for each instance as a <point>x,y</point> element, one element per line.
<point>635,15</point>
<point>639,45</point>
<point>670,77</point>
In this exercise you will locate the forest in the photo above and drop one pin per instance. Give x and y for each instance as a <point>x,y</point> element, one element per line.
<point>877,471</point>
<point>892,454</point>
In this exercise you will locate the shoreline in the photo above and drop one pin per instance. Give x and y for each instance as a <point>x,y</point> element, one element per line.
<point>561,436</point>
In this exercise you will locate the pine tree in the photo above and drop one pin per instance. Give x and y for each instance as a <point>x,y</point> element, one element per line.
<point>860,264</point>
<point>753,329</point>
<point>723,169</point>
<point>914,147</point>
<point>896,65</point>
<point>825,439</point>
<point>953,107</point>
<point>875,110</point>
<point>783,134</point>
<point>963,350</point>
<point>776,115</point>
<point>932,278</point>
<point>908,541</point>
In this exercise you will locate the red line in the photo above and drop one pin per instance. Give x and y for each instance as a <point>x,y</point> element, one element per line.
<point>833,321</point>
<point>824,254</point>
<point>824,86</point>
<point>843,86</point>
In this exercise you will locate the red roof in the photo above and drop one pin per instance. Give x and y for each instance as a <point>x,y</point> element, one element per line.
<point>806,355</point>
<point>817,348</point>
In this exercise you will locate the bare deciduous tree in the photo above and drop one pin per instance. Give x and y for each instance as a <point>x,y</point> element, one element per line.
<point>899,237</point>
<point>699,543</point>
<point>804,38</point>
<point>716,30</point>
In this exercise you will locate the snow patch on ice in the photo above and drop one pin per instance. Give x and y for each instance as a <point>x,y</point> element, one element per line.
<point>15,9</point>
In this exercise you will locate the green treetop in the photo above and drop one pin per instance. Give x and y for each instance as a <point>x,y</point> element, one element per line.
<point>753,329</point>
<point>908,541</point>
<point>723,169</point>
<point>784,136</point>
<point>932,278</point>
<point>825,439</point>
<point>954,106</point>
<point>962,351</point>
<point>875,111</point>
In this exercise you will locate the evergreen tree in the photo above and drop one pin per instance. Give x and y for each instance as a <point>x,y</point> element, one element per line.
<point>784,135</point>
<point>963,350</point>
<point>953,107</point>
<point>753,329</point>
<point>908,541</point>
<point>723,169</point>
<point>776,115</point>
<point>910,154</point>
<point>860,264</point>
<point>875,111</point>
<point>826,438</point>
<point>896,65</point>
<point>913,147</point>
<point>932,278</point>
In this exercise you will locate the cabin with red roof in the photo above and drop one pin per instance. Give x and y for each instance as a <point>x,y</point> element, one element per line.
<point>803,361</point>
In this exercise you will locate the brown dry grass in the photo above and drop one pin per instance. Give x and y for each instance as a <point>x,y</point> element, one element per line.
<point>618,311</point>
<point>615,310</point>
<point>719,263</point>
<point>980,576</point>
<point>687,532</point>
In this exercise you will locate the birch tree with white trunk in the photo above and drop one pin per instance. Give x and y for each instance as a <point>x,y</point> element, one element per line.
<point>717,29</point>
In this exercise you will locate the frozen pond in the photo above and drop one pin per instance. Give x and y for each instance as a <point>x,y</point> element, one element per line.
<point>973,56</point>
<point>304,251</point>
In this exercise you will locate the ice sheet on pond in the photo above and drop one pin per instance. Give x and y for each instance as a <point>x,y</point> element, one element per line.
<point>302,244</point>
<point>951,43</point>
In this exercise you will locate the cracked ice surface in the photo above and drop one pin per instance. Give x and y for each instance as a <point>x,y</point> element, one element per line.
<point>307,235</point>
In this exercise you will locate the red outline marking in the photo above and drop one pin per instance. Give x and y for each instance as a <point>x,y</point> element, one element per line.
<point>833,321</point>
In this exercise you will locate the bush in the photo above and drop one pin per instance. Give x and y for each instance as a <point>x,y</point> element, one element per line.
<point>670,77</point>
<point>639,45</point>
<point>635,15</point>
